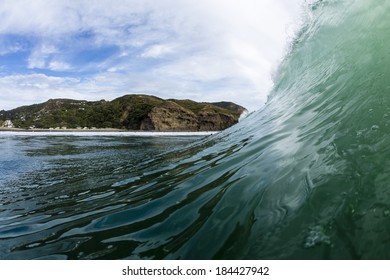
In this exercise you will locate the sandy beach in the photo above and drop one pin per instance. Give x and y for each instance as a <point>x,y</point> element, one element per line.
<point>99,131</point>
<point>61,130</point>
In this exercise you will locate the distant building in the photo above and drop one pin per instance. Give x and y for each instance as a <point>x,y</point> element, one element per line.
<point>8,124</point>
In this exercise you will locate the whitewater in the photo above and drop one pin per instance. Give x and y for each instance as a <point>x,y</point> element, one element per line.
<point>305,177</point>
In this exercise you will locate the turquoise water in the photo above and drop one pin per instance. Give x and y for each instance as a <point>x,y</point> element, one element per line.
<point>305,177</point>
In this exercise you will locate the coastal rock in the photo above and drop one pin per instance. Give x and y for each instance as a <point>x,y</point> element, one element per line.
<point>169,116</point>
<point>212,120</point>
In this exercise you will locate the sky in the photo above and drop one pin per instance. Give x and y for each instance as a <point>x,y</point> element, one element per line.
<point>204,50</point>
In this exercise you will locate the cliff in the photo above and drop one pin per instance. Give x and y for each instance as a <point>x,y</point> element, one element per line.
<point>131,112</point>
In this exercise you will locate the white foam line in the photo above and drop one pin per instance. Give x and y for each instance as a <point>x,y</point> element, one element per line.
<point>103,133</point>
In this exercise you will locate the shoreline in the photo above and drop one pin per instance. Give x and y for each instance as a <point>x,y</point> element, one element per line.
<point>61,130</point>
<point>97,132</point>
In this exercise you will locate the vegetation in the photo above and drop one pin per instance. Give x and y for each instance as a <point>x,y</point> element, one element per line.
<point>126,112</point>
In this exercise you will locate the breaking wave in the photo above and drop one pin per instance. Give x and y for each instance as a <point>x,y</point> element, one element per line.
<point>305,177</point>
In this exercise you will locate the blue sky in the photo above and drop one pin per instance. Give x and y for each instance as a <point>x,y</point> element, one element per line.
<point>210,50</point>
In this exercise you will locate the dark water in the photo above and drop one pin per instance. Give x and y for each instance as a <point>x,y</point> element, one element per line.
<point>51,186</point>
<point>305,177</point>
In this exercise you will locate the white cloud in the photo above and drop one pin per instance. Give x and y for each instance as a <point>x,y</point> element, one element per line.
<point>56,65</point>
<point>9,48</point>
<point>40,55</point>
<point>201,49</point>
<point>20,90</point>
<point>158,50</point>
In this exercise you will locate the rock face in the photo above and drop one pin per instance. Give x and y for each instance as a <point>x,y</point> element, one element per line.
<point>211,120</point>
<point>169,116</point>
<point>130,112</point>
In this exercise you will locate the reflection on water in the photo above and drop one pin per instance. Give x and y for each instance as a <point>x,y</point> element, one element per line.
<point>53,186</point>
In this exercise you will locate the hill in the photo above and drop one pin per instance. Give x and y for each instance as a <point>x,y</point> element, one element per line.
<point>130,112</point>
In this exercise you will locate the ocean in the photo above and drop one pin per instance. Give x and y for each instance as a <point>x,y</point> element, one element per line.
<point>307,176</point>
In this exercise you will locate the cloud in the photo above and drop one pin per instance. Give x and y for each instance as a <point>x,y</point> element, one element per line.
<point>56,65</point>
<point>159,50</point>
<point>6,49</point>
<point>205,50</point>
<point>40,55</point>
<point>34,88</point>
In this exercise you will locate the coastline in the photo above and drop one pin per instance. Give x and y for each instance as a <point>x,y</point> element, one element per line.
<point>98,132</point>
<point>61,130</point>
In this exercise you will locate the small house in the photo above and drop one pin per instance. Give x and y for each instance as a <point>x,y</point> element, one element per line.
<point>8,124</point>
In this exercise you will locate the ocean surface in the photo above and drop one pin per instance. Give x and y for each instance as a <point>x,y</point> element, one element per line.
<point>307,176</point>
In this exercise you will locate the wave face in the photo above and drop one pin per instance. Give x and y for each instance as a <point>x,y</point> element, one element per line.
<point>305,177</point>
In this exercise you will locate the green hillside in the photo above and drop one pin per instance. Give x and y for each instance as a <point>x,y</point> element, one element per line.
<point>126,112</point>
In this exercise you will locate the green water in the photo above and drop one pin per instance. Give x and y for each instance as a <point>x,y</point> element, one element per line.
<point>305,177</point>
